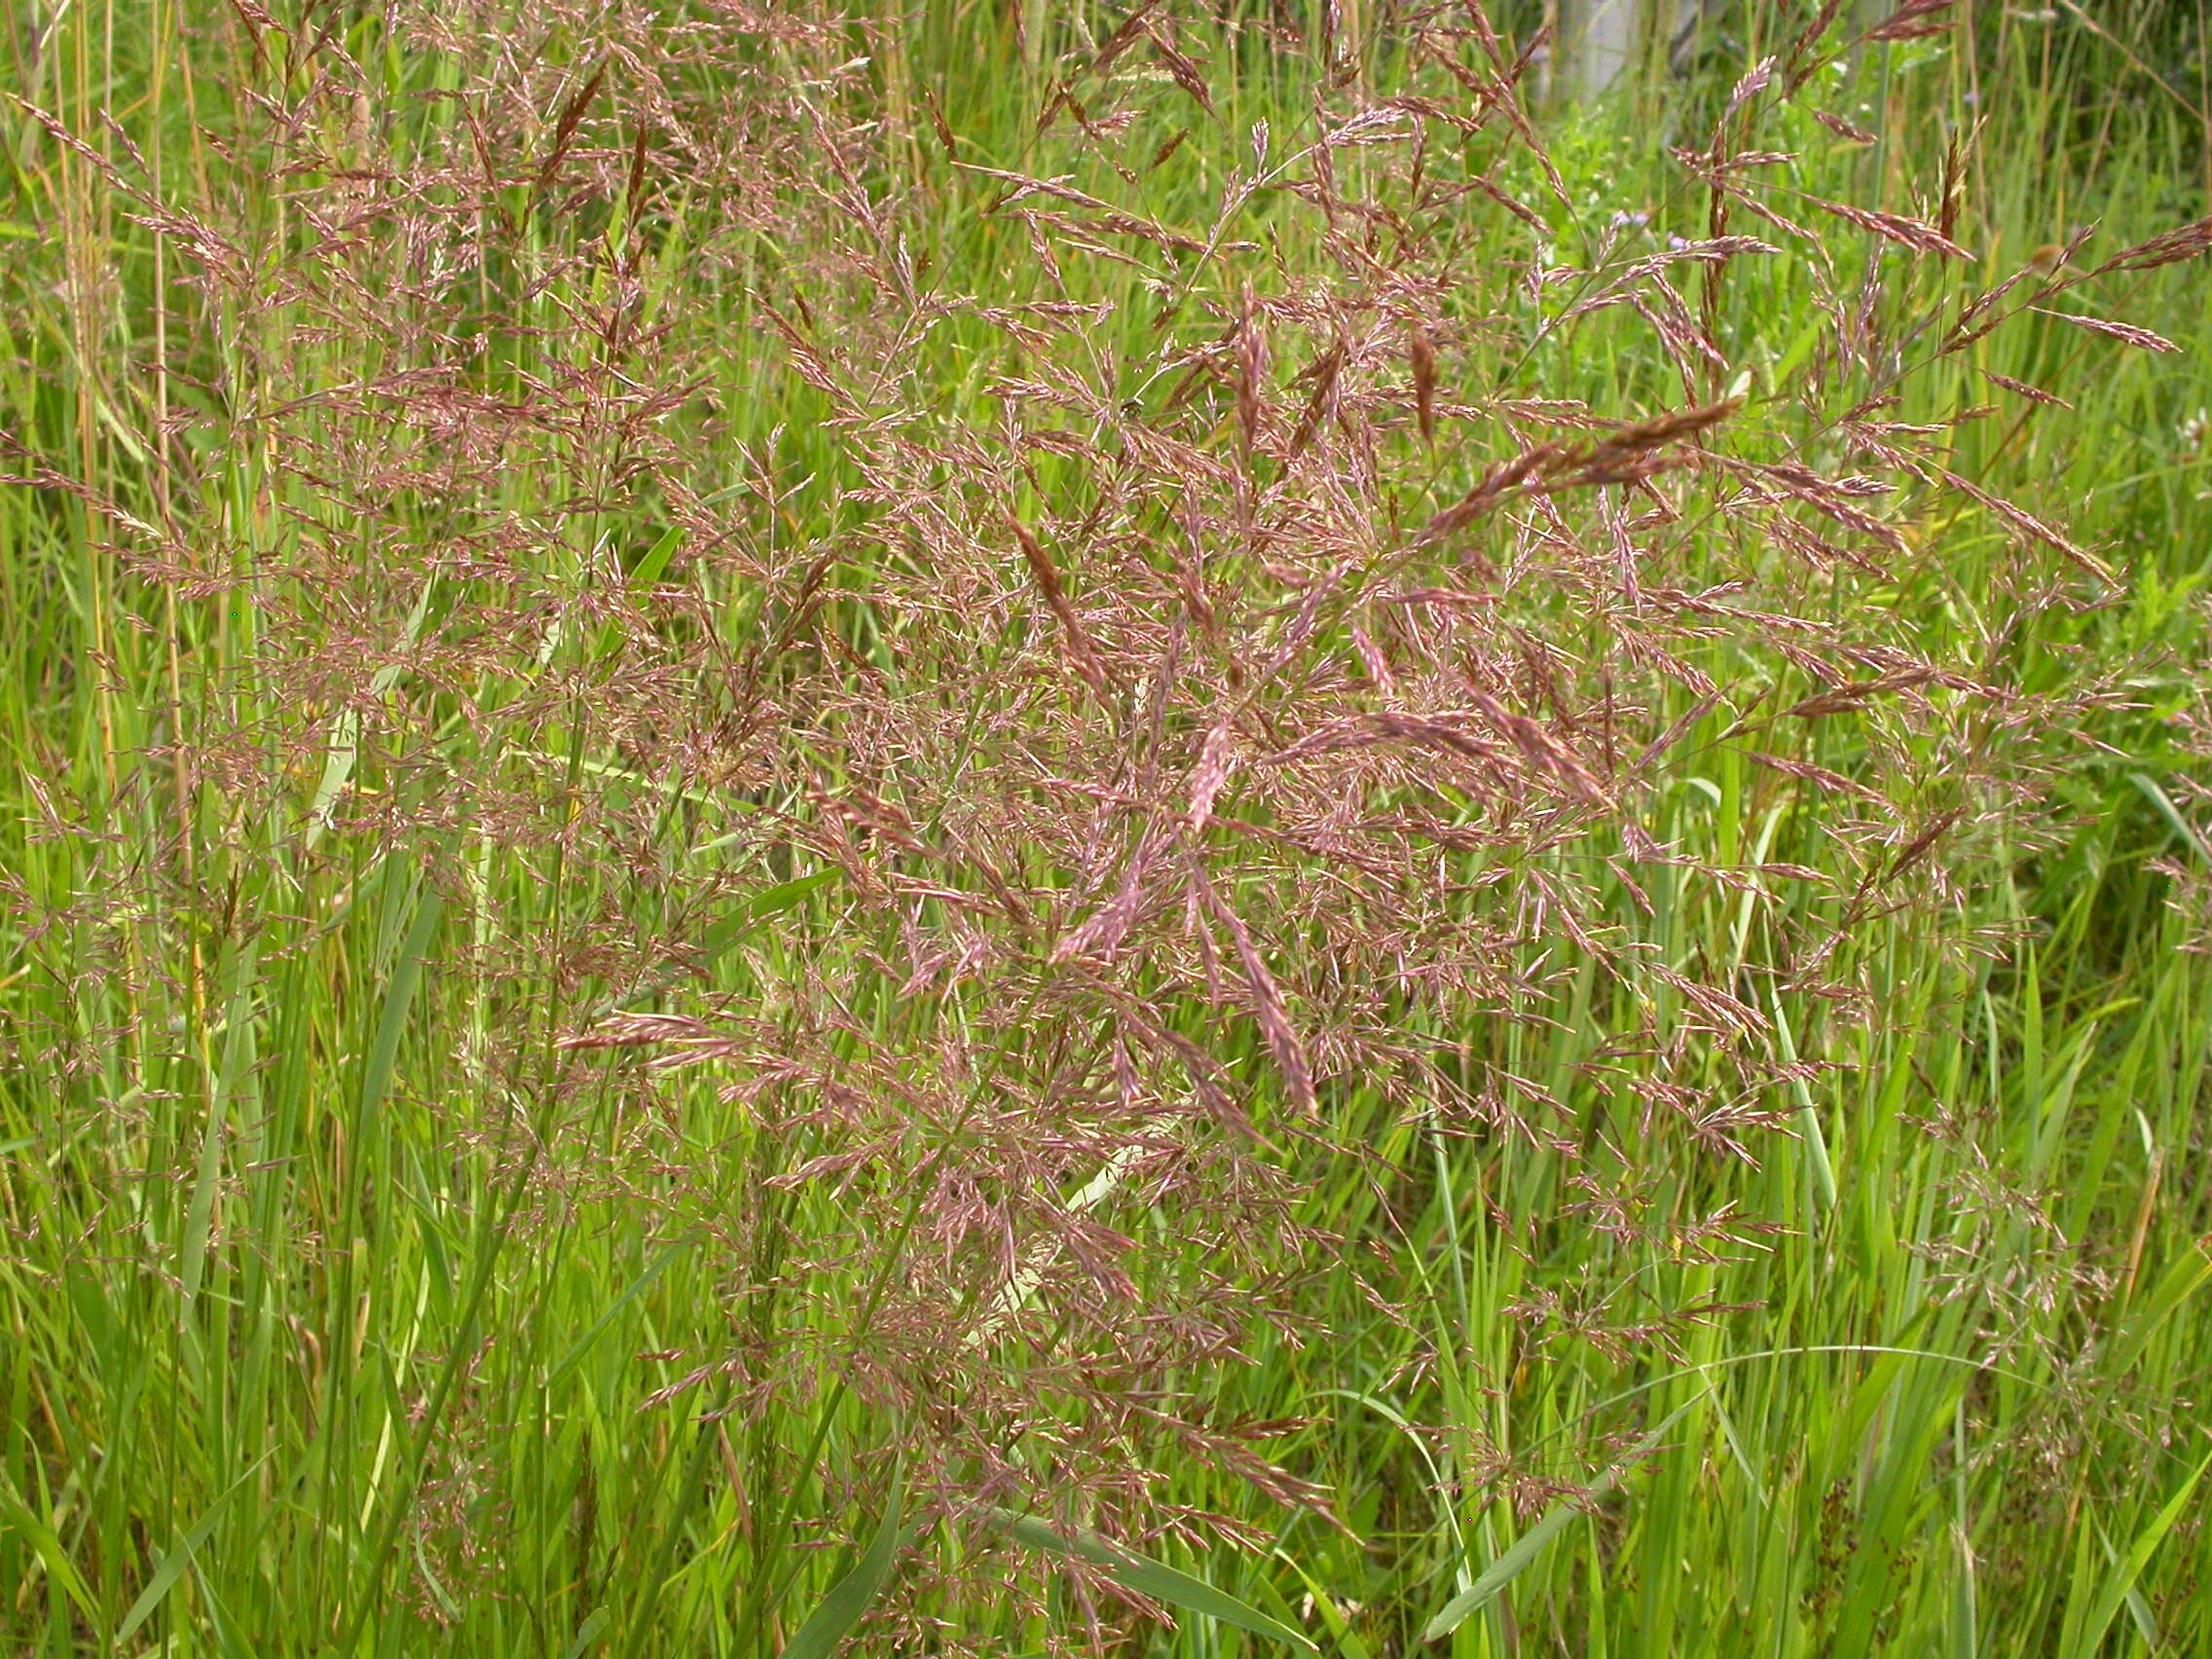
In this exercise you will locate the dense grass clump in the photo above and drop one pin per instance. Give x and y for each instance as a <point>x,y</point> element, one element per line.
<point>1092,829</point>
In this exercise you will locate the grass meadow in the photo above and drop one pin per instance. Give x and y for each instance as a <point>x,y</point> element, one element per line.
<point>1162,830</point>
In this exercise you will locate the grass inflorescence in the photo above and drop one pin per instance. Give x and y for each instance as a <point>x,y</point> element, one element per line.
<point>1103,829</point>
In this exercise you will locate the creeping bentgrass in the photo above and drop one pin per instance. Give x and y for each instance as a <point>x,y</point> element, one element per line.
<point>1103,830</point>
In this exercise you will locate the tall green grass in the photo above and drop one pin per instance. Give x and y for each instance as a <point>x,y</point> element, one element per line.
<point>502,1067</point>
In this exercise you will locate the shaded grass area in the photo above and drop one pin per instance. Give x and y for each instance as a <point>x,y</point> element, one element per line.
<point>1041,829</point>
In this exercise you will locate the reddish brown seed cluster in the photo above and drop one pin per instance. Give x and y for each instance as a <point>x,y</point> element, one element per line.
<point>1231,709</point>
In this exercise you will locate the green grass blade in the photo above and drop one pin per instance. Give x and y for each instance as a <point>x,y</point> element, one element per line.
<point>16,1516</point>
<point>237,1061</point>
<point>1147,1577</point>
<point>638,1287</point>
<point>1533,1542</point>
<point>587,1633</point>
<point>2086,1638</point>
<point>657,556</point>
<point>173,1564</point>
<point>761,908</point>
<point>2191,837</point>
<point>344,745</point>
<point>2188,1275</point>
<point>392,1024</point>
<point>833,1618</point>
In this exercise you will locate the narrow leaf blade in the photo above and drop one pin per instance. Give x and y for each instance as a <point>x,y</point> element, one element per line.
<point>1533,1542</point>
<point>1153,1579</point>
<point>833,1620</point>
